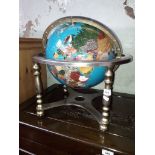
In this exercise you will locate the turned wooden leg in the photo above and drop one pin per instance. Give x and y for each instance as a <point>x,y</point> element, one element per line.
<point>107,92</point>
<point>39,89</point>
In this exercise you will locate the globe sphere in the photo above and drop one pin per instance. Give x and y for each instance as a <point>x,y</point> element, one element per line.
<point>75,42</point>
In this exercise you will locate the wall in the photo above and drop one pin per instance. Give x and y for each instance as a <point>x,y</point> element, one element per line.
<point>118,15</point>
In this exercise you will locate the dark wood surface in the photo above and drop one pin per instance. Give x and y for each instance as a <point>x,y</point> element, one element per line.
<point>70,130</point>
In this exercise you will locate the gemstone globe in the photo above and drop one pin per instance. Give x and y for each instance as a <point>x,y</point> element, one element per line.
<point>75,42</point>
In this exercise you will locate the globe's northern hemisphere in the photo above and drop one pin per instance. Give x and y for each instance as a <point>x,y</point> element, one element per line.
<point>78,41</point>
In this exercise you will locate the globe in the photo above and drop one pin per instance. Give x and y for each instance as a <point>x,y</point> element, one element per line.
<point>76,41</point>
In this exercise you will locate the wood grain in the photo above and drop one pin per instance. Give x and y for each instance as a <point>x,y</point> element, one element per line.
<point>59,133</point>
<point>29,47</point>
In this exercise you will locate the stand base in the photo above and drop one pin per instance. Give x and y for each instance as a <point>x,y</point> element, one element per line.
<point>78,99</point>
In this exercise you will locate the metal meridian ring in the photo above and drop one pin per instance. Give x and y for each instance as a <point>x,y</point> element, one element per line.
<point>88,21</point>
<point>108,63</point>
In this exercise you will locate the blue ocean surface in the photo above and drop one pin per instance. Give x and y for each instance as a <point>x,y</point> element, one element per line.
<point>60,33</point>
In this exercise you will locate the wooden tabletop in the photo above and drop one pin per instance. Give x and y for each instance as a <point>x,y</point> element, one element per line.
<point>71,130</point>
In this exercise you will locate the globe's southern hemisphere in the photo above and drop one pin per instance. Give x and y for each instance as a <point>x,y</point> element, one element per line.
<point>78,41</point>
